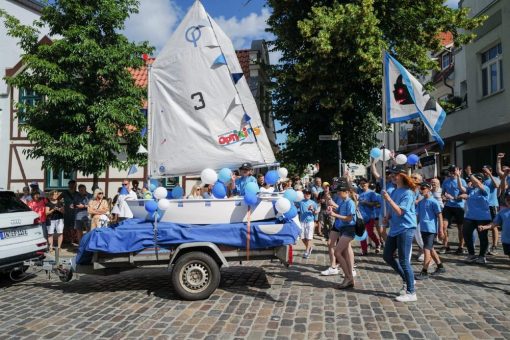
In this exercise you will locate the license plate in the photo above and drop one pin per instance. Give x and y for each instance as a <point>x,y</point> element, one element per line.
<point>13,233</point>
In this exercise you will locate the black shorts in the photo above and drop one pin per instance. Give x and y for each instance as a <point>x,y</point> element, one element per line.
<point>428,240</point>
<point>506,248</point>
<point>494,212</point>
<point>453,214</point>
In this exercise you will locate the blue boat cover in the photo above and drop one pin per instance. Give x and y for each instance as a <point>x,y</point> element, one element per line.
<point>134,235</point>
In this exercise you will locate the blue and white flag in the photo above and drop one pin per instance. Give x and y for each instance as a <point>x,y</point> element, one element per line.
<point>407,99</point>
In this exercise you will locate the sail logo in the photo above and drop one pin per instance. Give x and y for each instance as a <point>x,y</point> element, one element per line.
<point>236,136</point>
<point>193,34</point>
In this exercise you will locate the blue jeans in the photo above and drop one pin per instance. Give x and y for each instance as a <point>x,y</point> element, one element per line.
<point>403,242</point>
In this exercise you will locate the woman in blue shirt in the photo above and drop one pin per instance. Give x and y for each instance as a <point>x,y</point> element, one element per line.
<point>478,213</point>
<point>402,222</point>
<point>345,221</point>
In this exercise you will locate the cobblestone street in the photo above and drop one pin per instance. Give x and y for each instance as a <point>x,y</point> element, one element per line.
<point>264,300</point>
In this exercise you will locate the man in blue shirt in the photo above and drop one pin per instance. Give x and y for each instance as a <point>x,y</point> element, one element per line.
<point>493,184</point>
<point>429,219</point>
<point>454,206</point>
<point>478,213</point>
<point>238,184</point>
<point>502,220</point>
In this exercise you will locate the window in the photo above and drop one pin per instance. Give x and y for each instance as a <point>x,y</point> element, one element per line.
<point>26,98</point>
<point>492,70</point>
<point>445,61</point>
<point>58,179</point>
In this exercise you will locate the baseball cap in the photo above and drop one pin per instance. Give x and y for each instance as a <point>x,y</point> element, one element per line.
<point>478,176</point>
<point>425,185</point>
<point>34,184</point>
<point>307,192</point>
<point>398,169</point>
<point>452,168</point>
<point>325,184</point>
<point>246,166</point>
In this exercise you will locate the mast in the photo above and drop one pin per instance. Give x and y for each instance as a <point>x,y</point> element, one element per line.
<point>383,120</point>
<point>149,123</point>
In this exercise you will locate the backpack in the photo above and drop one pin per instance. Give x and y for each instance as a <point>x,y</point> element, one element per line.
<point>359,227</point>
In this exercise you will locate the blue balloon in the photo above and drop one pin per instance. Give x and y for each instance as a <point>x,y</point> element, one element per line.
<point>151,206</point>
<point>151,217</point>
<point>251,187</point>
<point>177,192</point>
<point>290,194</point>
<point>291,213</point>
<point>152,187</point>
<point>155,182</point>
<point>375,153</point>
<point>224,175</point>
<point>250,198</point>
<point>362,237</point>
<point>124,191</point>
<point>271,177</point>
<point>412,159</point>
<point>169,195</point>
<point>219,190</point>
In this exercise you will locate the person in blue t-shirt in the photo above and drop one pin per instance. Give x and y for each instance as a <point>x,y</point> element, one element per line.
<point>402,221</point>
<point>478,213</point>
<point>367,200</point>
<point>502,220</point>
<point>493,184</point>
<point>430,221</point>
<point>453,210</point>
<point>345,223</point>
<point>238,184</point>
<point>308,209</point>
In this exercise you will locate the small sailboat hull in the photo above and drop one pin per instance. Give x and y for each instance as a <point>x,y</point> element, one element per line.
<point>210,211</point>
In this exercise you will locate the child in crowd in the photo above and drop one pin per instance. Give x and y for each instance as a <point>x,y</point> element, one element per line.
<point>502,220</point>
<point>308,209</point>
<point>430,220</point>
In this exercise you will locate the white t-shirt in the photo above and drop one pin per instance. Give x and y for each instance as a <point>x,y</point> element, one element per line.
<point>270,189</point>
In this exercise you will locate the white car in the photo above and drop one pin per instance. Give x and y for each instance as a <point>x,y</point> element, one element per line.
<point>21,235</point>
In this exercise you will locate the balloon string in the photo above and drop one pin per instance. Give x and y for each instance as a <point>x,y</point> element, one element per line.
<point>248,227</point>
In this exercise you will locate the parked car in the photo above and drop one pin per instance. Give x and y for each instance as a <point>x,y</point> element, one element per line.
<point>21,235</point>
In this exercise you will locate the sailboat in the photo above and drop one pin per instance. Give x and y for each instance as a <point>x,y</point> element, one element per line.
<point>202,114</point>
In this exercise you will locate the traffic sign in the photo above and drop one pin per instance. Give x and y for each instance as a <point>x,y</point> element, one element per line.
<point>328,137</point>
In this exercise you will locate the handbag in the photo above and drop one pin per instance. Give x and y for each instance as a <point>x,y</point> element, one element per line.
<point>359,227</point>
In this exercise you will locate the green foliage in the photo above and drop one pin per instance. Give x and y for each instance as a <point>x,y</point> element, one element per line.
<point>90,107</point>
<point>329,79</point>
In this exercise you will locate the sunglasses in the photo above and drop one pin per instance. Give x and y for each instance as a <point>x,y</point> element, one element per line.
<point>100,193</point>
<point>423,188</point>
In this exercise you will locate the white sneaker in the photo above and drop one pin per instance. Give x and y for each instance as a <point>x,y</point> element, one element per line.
<point>421,258</point>
<point>330,271</point>
<point>407,297</point>
<point>354,274</point>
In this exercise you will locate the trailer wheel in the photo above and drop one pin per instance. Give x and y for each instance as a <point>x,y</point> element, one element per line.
<point>195,276</point>
<point>65,275</point>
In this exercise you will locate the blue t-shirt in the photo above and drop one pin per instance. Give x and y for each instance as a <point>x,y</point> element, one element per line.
<point>427,210</point>
<point>316,190</point>
<point>306,215</point>
<point>503,219</point>
<point>365,210</point>
<point>241,184</point>
<point>404,198</point>
<point>450,187</point>
<point>493,191</point>
<point>345,208</point>
<point>478,204</point>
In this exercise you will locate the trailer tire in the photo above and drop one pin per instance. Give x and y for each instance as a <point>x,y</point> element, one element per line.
<point>195,276</point>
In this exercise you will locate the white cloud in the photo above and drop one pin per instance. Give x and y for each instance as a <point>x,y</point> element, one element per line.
<point>243,31</point>
<point>154,22</point>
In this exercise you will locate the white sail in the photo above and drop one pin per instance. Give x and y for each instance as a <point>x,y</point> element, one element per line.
<point>199,116</point>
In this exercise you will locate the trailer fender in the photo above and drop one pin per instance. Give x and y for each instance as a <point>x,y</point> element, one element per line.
<point>206,247</point>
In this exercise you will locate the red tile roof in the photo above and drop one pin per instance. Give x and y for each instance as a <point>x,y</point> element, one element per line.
<point>244,60</point>
<point>446,38</point>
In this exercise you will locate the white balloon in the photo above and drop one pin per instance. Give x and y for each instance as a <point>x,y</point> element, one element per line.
<point>163,204</point>
<point>401,159</point>
<point>282,205</point>
<point>160,193</point>
<point>283,172</point>
<point>386,153</point>
<point>209,176</point>
<point>300,196</point>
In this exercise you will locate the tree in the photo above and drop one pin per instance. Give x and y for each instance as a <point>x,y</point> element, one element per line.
<point>89,111</point>
<point>329,76</point>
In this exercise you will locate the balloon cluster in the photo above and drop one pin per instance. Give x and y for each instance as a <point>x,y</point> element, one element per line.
<point>380,154</point>
<point>156,207</point>
<point>385,154</point>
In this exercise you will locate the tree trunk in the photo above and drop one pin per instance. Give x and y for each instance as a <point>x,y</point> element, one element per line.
<point>95,182</point>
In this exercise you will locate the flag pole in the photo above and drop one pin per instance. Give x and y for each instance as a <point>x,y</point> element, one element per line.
<point>383,120</point>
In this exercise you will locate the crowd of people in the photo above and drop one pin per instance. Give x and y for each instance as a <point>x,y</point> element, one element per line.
<point>397,211</point>
<point>407,209</point>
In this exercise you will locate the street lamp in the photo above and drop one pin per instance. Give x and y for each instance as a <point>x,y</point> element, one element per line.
<point>339,143</point>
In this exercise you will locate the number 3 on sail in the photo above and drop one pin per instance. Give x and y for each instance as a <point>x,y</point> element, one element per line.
<point>200,100</point>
